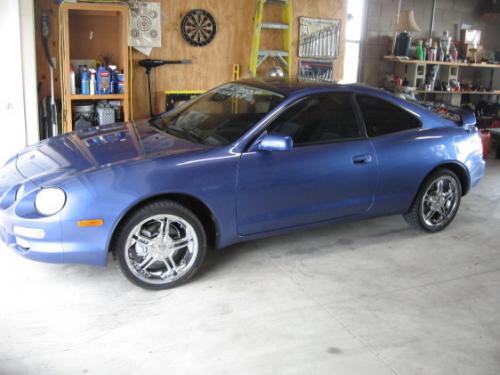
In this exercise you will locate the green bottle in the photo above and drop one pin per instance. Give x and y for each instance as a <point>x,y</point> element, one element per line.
<point>420,51</point>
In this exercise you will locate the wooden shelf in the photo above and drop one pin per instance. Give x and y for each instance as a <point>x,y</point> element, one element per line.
<point>449,63</point>
<point>92,7</point>
<point>98,97</point>
<point>495,92</point>
<point>108,26</point>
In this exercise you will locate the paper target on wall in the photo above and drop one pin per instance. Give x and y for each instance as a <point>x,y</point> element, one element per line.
<point>145,25</point>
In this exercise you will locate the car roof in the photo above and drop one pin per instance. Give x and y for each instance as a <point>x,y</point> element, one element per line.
<point>293,85</point>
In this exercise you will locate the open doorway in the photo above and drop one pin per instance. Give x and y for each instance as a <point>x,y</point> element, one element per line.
<point>354,39</point>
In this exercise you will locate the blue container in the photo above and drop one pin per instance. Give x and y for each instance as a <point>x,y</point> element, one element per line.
<point>85,82</point>
<point>114,81</point>
<point>103,81</point>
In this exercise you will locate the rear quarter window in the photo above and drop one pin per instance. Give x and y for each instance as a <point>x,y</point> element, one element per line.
<point>381,117</point>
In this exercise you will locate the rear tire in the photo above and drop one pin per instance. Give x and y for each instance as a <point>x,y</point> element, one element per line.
<point>437,202</point>
<point>161,245</point>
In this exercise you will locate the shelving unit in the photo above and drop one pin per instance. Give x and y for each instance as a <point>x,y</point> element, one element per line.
<point>98,97</point>
<point>449,63</point>
<point>91,31</point>
<point>494,92</point>
<point>415,72</point>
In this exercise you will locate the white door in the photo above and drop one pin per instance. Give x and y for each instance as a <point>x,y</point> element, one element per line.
<point>16,25</point>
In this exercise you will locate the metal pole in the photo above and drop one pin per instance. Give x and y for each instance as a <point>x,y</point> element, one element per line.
<point>395,25</point>
<point>432,17</point>
<point>148,73</point>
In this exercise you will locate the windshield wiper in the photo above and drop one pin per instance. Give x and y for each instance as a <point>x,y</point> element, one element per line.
<point>184,134</point>
<point>193,137</point>
<point>155,123</point>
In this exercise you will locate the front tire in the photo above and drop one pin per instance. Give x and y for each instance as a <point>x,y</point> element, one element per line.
<point>161,245</point>
<point>437,202</point>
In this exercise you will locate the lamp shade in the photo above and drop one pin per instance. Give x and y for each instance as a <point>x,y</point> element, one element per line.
<point>407,21</point>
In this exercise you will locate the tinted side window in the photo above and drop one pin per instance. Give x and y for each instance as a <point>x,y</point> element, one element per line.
<point>317,119</point>
<point>382,117</point>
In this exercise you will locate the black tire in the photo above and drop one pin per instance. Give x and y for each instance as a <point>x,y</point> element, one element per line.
<point>415,216</point>
<point>161,207</point>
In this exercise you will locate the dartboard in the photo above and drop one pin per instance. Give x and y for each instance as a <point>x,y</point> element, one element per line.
<point>198,27</point>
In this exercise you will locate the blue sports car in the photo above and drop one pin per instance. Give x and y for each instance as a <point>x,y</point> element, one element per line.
<point>245,160</point>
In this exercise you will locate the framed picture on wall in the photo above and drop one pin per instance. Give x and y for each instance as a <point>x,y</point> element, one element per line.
<point>315,70</point>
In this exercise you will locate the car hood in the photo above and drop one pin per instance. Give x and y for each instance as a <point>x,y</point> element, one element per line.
<point>93,148</point>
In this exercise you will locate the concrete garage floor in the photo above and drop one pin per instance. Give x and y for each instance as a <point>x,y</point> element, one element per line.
<point>373,297</point>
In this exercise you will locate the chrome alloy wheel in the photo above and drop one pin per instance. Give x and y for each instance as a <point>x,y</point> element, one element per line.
<point>440,201</point>
<point>161,249</point>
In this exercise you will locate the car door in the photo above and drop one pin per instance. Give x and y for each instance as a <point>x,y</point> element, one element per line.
<point>402,152</point>
<point>331,171</point>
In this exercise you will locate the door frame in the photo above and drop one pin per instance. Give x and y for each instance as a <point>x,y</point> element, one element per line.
<point>28,56</point>
<point>19,98</point>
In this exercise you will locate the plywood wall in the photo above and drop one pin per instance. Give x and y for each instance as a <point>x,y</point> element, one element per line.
<point>42,66</point>
<point>212,64</point>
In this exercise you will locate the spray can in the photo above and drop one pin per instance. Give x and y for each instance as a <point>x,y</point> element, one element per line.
<point>113,79</point>
<point>93,82</point>
<point>72,81</point>
<point>85,81</point>
<point>121,83</point>
<point>103,81</point>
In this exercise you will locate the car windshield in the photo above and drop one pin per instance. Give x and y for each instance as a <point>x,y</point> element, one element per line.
<point>221,116</point>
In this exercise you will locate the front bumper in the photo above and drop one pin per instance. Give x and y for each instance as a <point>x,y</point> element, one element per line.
<point>63,241</point>
<point>47,249</point>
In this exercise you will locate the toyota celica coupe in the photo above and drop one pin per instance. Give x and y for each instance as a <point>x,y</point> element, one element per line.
<point>248,159</point>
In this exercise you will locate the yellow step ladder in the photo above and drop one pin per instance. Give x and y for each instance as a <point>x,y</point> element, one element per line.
<point>258,55</point>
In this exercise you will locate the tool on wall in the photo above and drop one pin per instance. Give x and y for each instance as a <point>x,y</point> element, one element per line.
<point>45,33</point>
<point>319,38</point>
<point>236,72</point>
<point>258,55</point>
<point>149,64</point>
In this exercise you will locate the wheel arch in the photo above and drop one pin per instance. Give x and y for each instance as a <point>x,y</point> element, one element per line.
<point>199,208</point>
<point>459,169</point>
<point>456,167</point>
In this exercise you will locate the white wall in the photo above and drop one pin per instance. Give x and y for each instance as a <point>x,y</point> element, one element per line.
<point>18,123</point>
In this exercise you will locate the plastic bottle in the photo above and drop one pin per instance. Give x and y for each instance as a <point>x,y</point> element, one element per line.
<point>440,54</point>
<point>420,51</point>
<point>434,52</point>
<point>85,82</point>
<point>93,82</point>
<point>121,83</point>
<point>72,81</point>
<point>454,53</point>
<point>113,79</point>
<point>103,81</point>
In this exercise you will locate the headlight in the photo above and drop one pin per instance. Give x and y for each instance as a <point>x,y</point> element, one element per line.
<point>50,201</point>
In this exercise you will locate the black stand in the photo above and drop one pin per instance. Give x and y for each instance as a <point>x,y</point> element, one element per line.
<point>149,64</point>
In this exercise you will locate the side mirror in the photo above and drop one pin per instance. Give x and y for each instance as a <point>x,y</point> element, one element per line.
<point>275,142</point>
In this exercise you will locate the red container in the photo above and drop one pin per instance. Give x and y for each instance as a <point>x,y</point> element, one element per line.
<point>486,140</point>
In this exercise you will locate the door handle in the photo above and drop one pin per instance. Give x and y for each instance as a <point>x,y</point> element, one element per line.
<point>362,159</point>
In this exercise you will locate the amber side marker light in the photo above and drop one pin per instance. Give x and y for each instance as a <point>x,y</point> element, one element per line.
<point>90,223</point>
